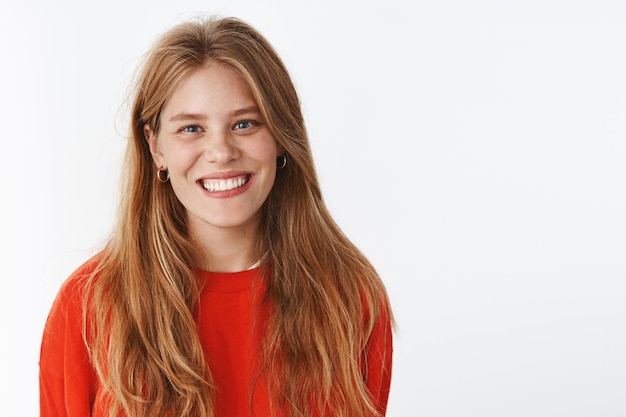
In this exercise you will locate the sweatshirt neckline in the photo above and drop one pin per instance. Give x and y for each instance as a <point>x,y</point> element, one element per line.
<point>230,281</point>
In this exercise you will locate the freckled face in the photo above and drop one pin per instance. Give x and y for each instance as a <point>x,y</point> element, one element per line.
<point>219,153</point>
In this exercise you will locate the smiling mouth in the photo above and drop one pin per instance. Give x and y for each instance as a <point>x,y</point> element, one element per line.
<point>213,186</point>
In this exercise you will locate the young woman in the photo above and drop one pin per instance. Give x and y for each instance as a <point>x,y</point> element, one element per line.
<point>226,289</point>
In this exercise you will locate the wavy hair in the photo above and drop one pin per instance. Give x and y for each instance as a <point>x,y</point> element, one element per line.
<point>142,337</point>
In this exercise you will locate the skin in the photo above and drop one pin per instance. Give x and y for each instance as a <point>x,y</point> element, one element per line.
<point>211,132</point>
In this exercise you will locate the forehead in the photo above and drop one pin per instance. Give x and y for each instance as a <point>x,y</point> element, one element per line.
<point>213,88</point>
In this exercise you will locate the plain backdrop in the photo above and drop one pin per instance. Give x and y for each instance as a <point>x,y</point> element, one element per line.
<point>475,151</point>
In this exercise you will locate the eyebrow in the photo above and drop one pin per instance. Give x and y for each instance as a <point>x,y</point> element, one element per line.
<point>201,116</point>
<point>188,116</point>
<point>246,110</point>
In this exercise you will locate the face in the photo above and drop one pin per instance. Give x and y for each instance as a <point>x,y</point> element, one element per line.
<point>218,150</point>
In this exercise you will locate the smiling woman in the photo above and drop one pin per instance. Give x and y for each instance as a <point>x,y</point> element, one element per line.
<point>226,289</point>
<point>220,157</point>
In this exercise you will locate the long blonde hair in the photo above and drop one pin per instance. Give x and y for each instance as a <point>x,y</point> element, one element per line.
<point>324,293</point>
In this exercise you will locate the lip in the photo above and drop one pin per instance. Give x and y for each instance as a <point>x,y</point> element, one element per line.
<point>225,176</point>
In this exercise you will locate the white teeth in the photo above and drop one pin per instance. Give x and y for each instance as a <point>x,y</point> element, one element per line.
<point>224,185</point>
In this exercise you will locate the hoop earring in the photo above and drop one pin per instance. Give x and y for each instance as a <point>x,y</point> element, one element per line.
<point>163,175</point>
<point>281,161</point>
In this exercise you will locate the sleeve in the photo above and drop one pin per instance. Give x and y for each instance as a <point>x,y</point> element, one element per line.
<point>66,377</point>
<point>379,352</point>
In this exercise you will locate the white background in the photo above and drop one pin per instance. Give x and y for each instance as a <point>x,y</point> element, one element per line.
<point>475,151</point>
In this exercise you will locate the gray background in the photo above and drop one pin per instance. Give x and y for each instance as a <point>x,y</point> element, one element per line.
<point>475,151</point>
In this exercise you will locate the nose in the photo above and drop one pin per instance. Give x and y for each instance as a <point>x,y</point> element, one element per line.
<point>220,147</point>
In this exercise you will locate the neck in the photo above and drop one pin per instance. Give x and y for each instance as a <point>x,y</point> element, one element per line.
<point>226,249</point>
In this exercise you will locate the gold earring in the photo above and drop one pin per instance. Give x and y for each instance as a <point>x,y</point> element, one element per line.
<point>163,175</point>
<point>281,161</point>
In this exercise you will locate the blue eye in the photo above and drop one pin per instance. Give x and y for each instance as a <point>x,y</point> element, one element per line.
<point>191,129</point>
<point>245,124</point>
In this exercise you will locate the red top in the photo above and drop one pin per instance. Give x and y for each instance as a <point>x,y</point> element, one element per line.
<point>227,315</point>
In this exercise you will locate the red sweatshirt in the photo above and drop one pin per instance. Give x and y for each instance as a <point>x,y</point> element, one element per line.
<point>228,307</point>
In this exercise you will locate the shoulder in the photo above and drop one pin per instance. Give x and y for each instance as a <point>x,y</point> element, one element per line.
<point>73,288</point>
<point>64,359</point>
<point>67,307</point>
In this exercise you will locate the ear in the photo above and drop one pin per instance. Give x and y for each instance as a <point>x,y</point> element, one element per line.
<point>157,155</point>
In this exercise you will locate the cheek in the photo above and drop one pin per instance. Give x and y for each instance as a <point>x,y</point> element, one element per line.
<point>179,157</point>
<point>266,149</point>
